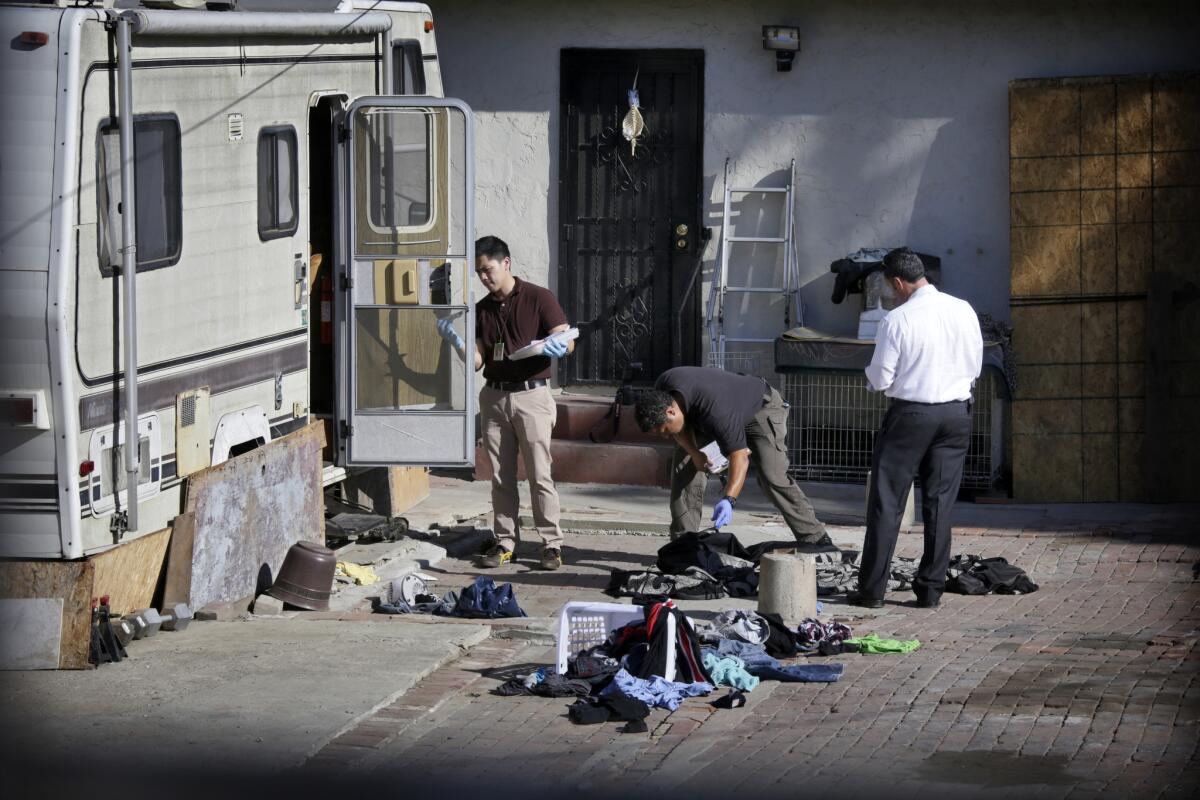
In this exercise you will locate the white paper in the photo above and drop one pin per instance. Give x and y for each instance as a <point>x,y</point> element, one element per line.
<point>534,348</point>
<point>713,451</point>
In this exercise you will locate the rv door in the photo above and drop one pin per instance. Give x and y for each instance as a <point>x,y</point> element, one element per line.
<point>406,395</point>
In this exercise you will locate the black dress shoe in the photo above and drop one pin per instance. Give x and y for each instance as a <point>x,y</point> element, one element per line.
<point>928,602</point>
<point>862,601</point>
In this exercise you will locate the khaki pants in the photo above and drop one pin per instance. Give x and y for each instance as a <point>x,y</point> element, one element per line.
<point>766,436</point>
<point>520,423</point>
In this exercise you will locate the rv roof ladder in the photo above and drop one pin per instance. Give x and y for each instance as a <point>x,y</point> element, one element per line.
<point>720,315</point>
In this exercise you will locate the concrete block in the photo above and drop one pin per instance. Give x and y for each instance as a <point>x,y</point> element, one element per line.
<point>787,586</point>
<point>266,605</point>
<point>30,633</point>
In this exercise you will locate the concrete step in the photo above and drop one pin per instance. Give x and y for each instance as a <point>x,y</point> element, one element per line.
<point>630,464</point>
<point>579,414</point>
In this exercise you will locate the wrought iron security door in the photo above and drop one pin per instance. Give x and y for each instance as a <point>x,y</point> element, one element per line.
<point>630,214</point>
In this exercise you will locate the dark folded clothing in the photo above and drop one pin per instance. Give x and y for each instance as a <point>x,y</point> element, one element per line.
<point>614,707</point>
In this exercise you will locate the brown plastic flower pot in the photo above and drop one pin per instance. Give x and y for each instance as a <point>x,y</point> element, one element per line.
<point>306,577</point>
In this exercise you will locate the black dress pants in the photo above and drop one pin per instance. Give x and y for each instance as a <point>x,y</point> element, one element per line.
<point>928,442</point>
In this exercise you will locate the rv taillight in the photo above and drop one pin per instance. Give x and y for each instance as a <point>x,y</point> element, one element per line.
<point>34,38</point>
<point>86,468</point>
<point>428,25</point>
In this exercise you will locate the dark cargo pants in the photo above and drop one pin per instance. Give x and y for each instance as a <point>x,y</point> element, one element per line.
<point>766,436</point>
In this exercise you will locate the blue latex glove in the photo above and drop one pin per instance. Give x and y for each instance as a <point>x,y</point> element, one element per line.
<point>555,348</point>
<point>722,514</point>
<point>445,329</point>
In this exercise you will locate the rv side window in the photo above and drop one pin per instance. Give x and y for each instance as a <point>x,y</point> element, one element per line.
<point>158,190</point>
<point>278,195</point>
<point>408,67</point>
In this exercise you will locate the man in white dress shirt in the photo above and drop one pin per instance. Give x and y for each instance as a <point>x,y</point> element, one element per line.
<point>928,353</point>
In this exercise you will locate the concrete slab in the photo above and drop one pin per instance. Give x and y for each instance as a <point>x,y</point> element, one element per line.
<point>226,693</point>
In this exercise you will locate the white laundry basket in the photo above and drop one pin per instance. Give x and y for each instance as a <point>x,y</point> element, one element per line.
<point>583,625</point>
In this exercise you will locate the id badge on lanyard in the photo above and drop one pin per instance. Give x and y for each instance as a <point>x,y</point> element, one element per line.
<point>498,350</point>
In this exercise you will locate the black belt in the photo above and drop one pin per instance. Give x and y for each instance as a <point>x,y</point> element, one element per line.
<point>517,386</point>
<point>898,402</point>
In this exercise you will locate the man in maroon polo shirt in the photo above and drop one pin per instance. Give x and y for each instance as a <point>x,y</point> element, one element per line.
<point>516,410</point>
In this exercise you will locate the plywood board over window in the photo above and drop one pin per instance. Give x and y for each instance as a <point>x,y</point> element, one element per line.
<point>1105,257</point>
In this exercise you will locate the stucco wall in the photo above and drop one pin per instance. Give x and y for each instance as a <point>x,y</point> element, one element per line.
<point>896,112</point>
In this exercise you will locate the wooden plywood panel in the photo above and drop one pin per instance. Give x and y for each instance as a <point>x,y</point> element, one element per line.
<point>177,587</point>
<point>1177,169</point>
<point>130,573</point>
<point>1099,332</point>
<point>1134,205</point>
<point>69,580</point>
<point>1131,473</point>
<point>1131,325</point>
<point>1131,380</point>
<point>1097,210</point>
<point>1133,116</point>
<point>1045,261</point>
<point>1047,417</point>
<point>1100,415</point>
<point>1045,208</point>
<point>1047,469</point>
<point>1098,172</point>
<point>1048,382</point>
<point>1176,112</point>
<point>1099,380</point>
<point>1042,174</point>
<point>249,511</point>
<point>1044,120</point>
<point>1100,479</point>
<point>1133,169</point>
<point>1177,204</point>
<point>409,486</point>
<point>1047,334</point>
<point>1099,270</point>
<point>1098,111</point>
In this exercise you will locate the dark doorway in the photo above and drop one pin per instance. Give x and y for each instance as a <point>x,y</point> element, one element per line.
<point>629,233</point>
<point>321,207</point>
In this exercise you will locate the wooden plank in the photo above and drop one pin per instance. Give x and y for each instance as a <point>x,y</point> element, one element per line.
<point>178,584</point>
<point>69,580</point>
<point>249,511</point>
<point>1156,460</point>
<point>130,572</point>
<point>409,486</point>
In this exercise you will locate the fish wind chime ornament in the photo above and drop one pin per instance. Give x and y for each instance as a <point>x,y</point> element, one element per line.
<point>633,125</point>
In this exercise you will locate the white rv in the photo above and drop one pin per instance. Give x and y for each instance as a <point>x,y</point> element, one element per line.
<point>299,215</point>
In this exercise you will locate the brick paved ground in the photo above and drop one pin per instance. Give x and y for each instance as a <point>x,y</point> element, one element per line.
<point>1088,687</point>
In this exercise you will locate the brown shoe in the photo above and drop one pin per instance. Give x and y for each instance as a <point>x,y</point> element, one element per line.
<point>495,557</point>
<point>551,558</point>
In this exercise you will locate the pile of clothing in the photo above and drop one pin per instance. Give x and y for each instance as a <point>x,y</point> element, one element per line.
<point>738,649</point>
<point>709,565</point>
<point>481,600</point>
<point>712,564</point>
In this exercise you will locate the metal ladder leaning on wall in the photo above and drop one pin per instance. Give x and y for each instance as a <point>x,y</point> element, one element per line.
<point>717,314</point>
